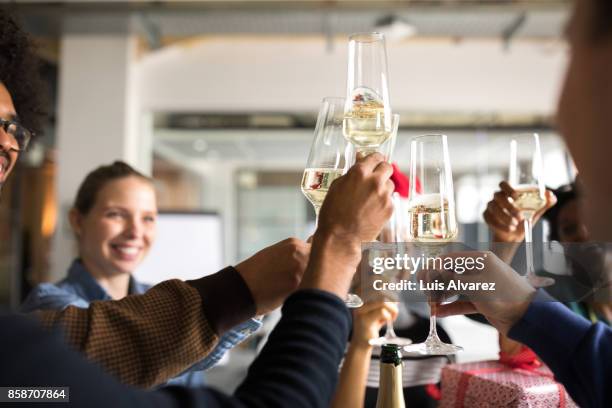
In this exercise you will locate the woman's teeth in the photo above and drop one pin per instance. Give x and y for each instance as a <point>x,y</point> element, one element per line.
<point>127,250</point>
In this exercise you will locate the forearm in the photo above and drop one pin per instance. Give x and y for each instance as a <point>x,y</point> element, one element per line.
<point>299,364</point>
<point>577,352</point>
<point>143,340</point>
<point>331,253</point>
<point>350,391</point>
<point>504,250</point>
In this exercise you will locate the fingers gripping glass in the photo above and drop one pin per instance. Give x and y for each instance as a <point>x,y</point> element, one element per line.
<point>329,158</point>
<point>20,135</point>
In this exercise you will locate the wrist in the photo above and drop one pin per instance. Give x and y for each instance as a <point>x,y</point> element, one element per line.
<point>516,313</point>
<point>503,238</point>
<point>333,262</point>
<point>360,346</point>
<point>344,245</point>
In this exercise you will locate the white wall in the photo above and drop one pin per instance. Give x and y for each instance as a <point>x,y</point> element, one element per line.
<point>98,120</point>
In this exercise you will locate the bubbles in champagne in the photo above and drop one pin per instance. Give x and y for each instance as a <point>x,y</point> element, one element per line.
<point>316,183</point>
<point>529,198</point>
<point>364,125</point>
<point>430,219</point>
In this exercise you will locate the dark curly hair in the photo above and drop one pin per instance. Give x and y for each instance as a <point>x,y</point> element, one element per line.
<point>565,195</point>
<point>20,74</point>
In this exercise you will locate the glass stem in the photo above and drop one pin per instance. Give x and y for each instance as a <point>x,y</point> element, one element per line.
<point>390,332</point>
<point>317,210</point>
<point>528,243</point>
<point>433,331</point>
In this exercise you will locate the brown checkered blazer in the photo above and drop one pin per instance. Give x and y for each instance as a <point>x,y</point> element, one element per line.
<point>143,340</point>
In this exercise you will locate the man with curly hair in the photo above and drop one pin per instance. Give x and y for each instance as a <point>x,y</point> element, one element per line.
<point>145,339</point>
<point>21,90</point>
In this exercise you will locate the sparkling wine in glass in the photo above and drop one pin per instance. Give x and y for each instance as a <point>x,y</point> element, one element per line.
<point>330,157</point>
<point>526,177</point>
<point>431,219</point>
<point>368,120</point>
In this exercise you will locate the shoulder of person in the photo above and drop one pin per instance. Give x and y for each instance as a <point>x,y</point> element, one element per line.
<point>49,296</point>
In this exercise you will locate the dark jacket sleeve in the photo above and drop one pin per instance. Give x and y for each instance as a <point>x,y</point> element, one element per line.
<point>297,368</point>
<point>578,353</point>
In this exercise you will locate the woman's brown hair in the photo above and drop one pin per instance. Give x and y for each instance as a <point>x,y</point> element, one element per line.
<point>97,179</point>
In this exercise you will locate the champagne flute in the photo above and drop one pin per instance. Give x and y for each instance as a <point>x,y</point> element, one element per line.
<point>526,177</point>
<point>431,214</point>
<point>393,226</point>
<point>367,111</point>
<point>330,157</point>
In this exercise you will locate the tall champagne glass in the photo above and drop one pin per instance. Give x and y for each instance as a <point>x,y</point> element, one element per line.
<point>392,232</point>
<point>526,177</point>
<point>368,120</point>
<point>432,219</point>
<point>330,157</point>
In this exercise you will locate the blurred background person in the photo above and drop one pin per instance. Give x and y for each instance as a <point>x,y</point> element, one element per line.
<point>114,221</point>
<point>567,227</point>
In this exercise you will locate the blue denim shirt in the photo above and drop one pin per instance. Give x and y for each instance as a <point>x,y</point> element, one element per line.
<point>79,288</point>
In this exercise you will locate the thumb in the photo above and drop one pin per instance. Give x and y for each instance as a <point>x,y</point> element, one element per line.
<point>386,315</point>
<point>551,200</point>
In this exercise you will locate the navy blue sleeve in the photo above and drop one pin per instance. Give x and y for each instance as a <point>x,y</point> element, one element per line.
<point>297,368</point>
<point>578,353</point>
<point>304,350</point>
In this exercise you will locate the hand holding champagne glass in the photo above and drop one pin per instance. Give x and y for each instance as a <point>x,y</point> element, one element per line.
<point>526,178</point>
<point>327,159</point>
<point>330,157</point>
<point>432,220</point>
<point>355,210</point>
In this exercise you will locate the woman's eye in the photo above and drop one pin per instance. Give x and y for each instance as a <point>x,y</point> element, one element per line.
<point>113,214</point>
<point>149,219</point>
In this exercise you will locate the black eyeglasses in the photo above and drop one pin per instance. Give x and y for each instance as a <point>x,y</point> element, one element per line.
<point>21,136</point>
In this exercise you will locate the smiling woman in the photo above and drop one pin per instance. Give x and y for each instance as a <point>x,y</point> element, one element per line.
<point>114,222</point>
<point>113,219</point>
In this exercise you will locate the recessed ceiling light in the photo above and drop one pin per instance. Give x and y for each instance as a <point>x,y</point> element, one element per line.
<point>395,28</point>
<point>199,145</point>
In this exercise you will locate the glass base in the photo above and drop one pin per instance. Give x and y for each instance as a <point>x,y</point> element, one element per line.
<point>433,348</point>
<point>381,341</point>
<point>539,281</point>
<point>353,301</point>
